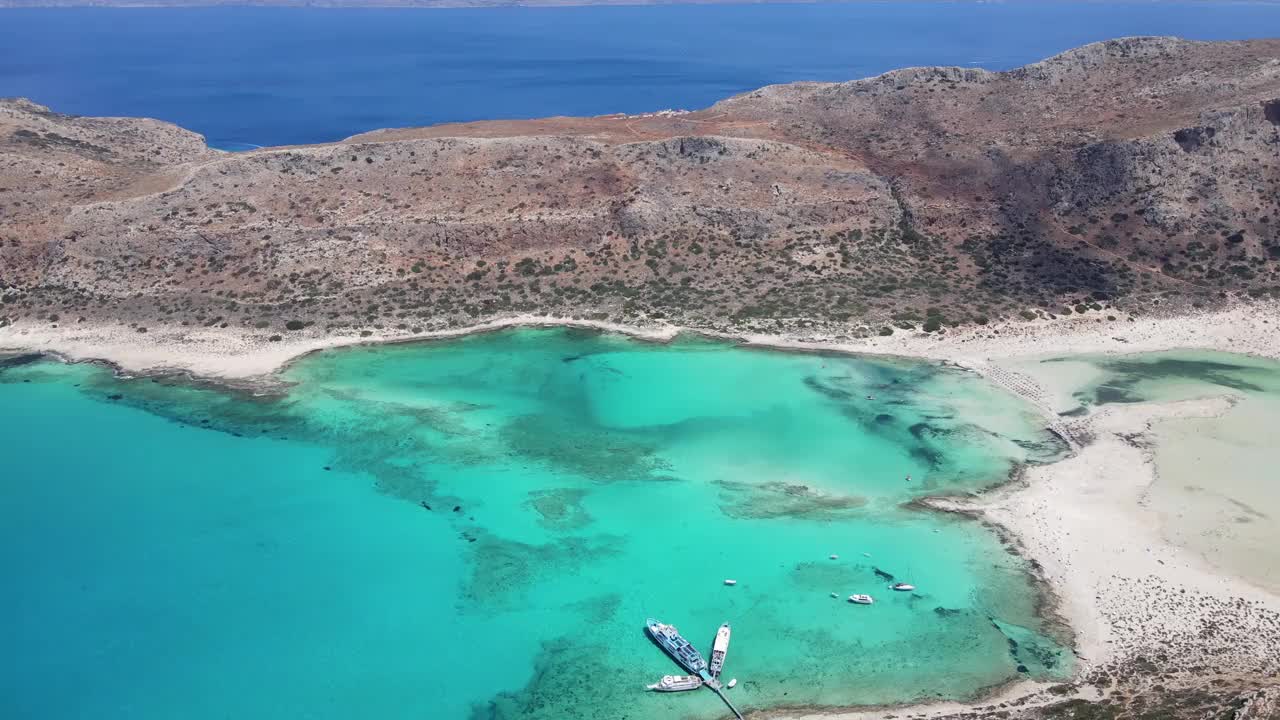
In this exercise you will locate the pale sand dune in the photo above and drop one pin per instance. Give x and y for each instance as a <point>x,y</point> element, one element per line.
<point>1218,489</point>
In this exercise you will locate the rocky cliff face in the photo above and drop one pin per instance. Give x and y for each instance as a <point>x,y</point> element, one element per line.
<point>1126,173</point>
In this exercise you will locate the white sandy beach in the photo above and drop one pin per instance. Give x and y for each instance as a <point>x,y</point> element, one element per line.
<point>238,354</point>
<point>1122,587</point>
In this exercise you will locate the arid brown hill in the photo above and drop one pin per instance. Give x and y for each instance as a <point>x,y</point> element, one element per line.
<point>1124,173</point>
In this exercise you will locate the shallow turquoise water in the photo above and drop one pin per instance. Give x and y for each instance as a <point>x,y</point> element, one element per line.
<point>478,529</point>
<point>1169,376</point>
<point>1217,487</point>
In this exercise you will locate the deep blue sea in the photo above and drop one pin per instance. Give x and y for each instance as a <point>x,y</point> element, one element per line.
<point>256,76</point>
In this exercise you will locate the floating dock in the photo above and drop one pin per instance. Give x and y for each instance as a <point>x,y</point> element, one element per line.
<point>682,651</point>
<point>716,689</point>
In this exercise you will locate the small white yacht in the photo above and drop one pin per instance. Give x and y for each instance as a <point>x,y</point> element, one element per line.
<point>676,683</point>
<point>861,599</point>
<point>719,649</point>
<point>904,587</point>
<point>730,582</point>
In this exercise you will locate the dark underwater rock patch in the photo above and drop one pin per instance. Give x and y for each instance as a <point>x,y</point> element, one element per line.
<point>502,569</point>
<point>928,456</point>
<point>783,500</point>
<point>557,683</point>
<point>582,449</point>
<point>13,361</point>
<point>829,576</point>
<point>599,609</point>
<point>1128,374</point>
<point>828,391</point>
<point>1028,649</point>
<point>560,508</point>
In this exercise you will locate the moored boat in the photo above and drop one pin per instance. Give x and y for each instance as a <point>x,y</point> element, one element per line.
<point>680,650</point>
<point>676,683</point>
<point>719,649</point>
<point>903,587</point>
<point>860,599</point>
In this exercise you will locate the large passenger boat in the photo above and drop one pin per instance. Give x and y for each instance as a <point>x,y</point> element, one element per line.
<point>680,650</point>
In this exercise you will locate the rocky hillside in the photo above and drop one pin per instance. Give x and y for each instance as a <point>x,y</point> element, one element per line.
<point>1114,178</point>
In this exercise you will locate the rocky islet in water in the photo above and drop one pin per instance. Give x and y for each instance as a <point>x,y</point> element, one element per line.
<point>539,494</point>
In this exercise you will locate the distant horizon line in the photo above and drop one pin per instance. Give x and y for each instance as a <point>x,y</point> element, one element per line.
<point>457,4</point>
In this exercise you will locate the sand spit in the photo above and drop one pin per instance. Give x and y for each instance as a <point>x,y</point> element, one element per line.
<point>1147,615</point>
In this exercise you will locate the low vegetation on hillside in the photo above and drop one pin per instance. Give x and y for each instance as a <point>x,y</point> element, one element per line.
<point>1118,178</point>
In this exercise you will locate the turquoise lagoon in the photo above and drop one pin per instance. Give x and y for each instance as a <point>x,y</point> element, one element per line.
<point>478,529</point>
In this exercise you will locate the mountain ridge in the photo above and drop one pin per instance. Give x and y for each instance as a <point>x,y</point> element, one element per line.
<point>923,197</point>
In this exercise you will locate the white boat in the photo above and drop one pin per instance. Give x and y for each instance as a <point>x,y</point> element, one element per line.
<point>904,587</point>
<point>730,582</point>
<point>861,599</point>
<point>719,649</point>
<point>834,595</point>
<point>680,650</point>
<point>676,683</point>
<point>732,682</point>
<point>835,557</point>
